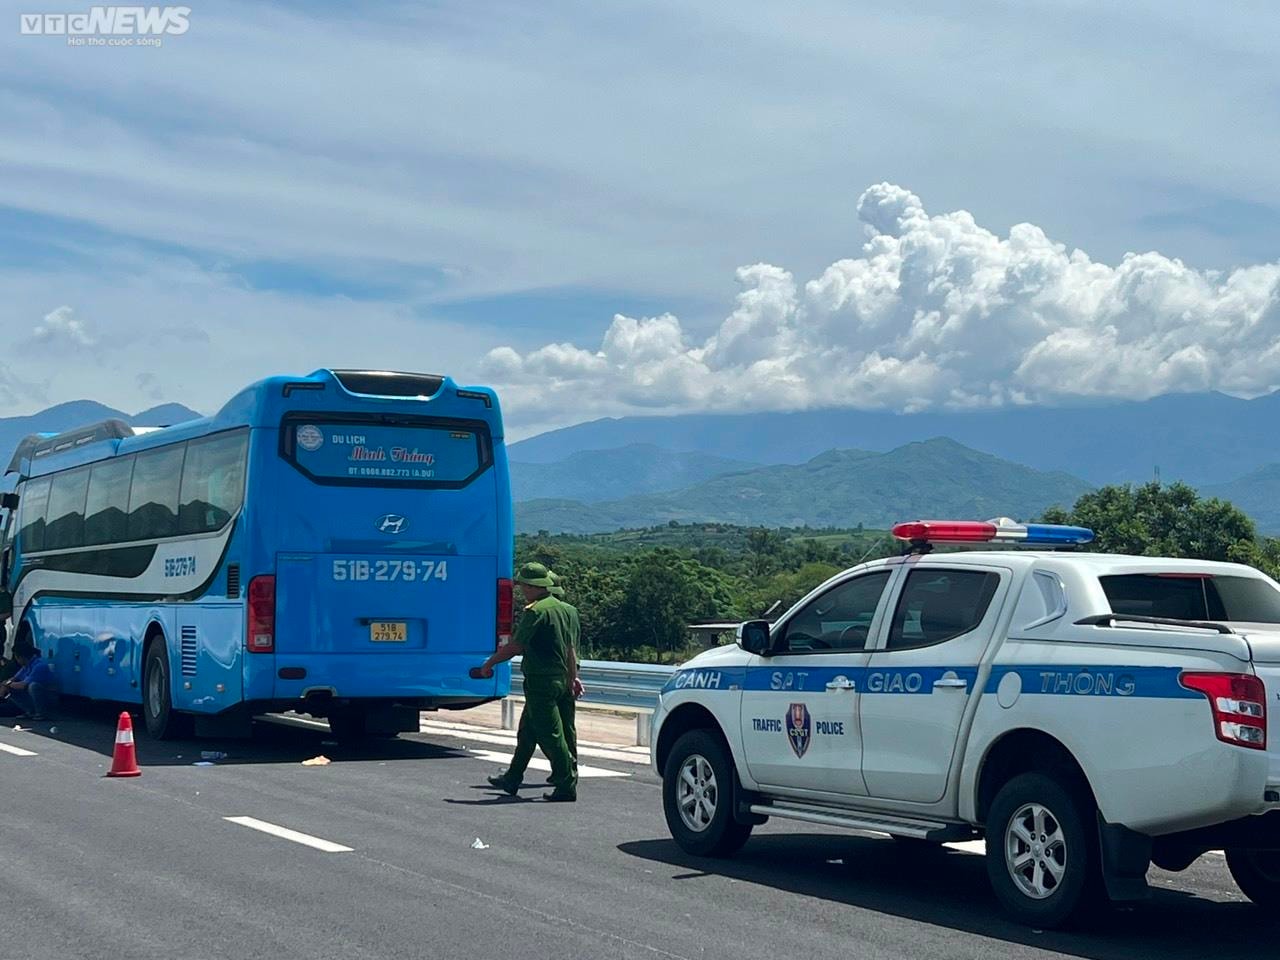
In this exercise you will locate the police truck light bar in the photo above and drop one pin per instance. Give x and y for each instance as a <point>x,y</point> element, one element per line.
<point>1000,530</point>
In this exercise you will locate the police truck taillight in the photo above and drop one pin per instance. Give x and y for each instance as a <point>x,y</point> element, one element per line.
<point>506,610</point>
<point>1239,705</point>
<point>261,633</point>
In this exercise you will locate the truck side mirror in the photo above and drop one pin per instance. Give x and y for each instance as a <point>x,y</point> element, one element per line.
<point>8,501</point>
<point>753,637</point>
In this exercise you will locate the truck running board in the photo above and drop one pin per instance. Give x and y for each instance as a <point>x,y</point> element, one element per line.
<point>937,831</point>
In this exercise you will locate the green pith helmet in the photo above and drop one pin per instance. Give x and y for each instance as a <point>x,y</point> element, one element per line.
<point>556,580</point>
<point>535,575</point>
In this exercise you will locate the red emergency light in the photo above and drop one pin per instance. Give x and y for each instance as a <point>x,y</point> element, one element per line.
<point>1000,530</point>
<point>946,531</point>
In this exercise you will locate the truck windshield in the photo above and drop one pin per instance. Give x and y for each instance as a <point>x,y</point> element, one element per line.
<point>1193,597</point>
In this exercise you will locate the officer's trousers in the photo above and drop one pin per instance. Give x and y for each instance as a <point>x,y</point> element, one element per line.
<point>547,722</point>
<point>568,709</point>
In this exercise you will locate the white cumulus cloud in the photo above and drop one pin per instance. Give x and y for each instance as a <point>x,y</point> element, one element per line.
<point>936,311</point>
<point>62,327</point>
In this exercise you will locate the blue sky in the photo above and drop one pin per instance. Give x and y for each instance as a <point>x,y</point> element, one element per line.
<point>286,186</point>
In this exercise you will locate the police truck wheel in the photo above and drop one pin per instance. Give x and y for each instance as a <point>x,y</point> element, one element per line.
<point>698,787</point>
<point>1257,874</point>
<point>162,721</point>
<point>1041,856</point>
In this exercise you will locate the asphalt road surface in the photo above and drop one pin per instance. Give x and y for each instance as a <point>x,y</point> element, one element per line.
<point>381,863</point>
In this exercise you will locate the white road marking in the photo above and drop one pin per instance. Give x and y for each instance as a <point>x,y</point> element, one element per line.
<point>17,751</point>
<point>501,738</point>
<point>638,756</point>
<point>980,847</point>
<point>537,763</point>
<point>285,833</point>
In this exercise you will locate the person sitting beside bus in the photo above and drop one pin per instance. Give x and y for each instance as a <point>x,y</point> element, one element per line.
<point>32,690</point>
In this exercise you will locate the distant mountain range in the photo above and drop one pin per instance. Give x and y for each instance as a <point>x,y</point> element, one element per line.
<point>592,476</point>
<point>844,467</point>
<point>78,413</point>
<point>839,488</point>
<point>1201,438</point>
<point>1256,493</point>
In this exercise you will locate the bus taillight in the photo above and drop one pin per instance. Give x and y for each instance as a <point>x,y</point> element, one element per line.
<point>262,615</point>
<point>506,610</point>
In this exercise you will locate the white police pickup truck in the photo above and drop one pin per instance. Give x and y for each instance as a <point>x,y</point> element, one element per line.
<point>1087,714</point>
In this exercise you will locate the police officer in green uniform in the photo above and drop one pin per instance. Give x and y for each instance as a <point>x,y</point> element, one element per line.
<point>546,640</point>
<point>567,705</point>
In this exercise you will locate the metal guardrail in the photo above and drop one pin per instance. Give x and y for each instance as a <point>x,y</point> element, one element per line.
<point>632,687</point>
<point>611,683</point>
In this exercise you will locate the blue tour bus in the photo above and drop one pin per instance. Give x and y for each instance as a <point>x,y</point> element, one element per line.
<point>338,544</point>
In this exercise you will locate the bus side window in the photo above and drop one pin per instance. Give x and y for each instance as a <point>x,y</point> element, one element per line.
<point>64,521</point>
<point>35,498</point>
<point>153,497</point>
<point>212,482</point>
<point>106,512</point>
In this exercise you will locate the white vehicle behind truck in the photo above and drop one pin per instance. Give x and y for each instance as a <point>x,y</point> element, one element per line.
<point>1087,714</point>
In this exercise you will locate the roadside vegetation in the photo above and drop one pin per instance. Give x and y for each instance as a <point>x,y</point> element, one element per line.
<point>638,590</point>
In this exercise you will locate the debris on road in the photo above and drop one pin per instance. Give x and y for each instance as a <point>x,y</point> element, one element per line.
<point>320,761</point>
<point>204,763</point>
<point>478,844</point>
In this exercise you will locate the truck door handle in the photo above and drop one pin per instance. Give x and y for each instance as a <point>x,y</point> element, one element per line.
<point>841,683</point>
<point>951,683</point>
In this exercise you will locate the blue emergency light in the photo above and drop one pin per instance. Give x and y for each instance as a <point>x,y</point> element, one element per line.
<point>999,530</point>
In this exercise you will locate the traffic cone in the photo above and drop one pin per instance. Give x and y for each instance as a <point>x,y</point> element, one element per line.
<point>124,760</point>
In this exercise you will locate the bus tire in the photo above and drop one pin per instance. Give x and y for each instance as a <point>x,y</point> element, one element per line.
<point>162,720</point>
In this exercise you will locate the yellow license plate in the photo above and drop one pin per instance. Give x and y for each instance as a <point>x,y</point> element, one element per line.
<point>388,631</point>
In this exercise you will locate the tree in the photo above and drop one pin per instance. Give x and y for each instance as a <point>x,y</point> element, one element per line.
<point>1163,521</point>
<point>662,592</point>
<point>1263,554</point>
<point>658,601</point>
<point>762,545</point>
<point>787,588</point>
<point>545,553</point>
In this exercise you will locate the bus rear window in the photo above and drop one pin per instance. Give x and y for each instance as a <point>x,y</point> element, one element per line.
<point>1188,597</point>
<point>413,454</point>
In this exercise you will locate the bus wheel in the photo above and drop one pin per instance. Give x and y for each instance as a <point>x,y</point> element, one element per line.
<point>350,725</point>
<point>163,722</point>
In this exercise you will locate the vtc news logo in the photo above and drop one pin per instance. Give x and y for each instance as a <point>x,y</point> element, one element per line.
<point>108,22</point>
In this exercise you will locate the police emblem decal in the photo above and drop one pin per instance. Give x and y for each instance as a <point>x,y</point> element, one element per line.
<point>799,728</point>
